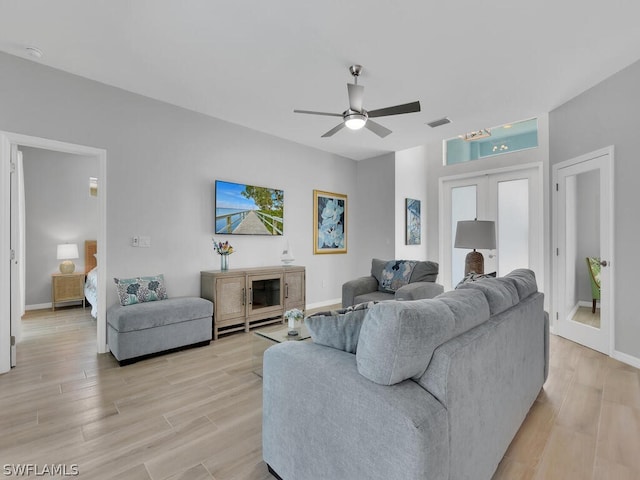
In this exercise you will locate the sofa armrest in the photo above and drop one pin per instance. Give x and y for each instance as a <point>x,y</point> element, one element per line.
<point>322,419</point>
<point>359,286</point>
<point>419,290</point>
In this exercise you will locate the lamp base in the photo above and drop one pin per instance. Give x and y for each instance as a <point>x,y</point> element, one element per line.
<point>67,267</point>
<point>474,262</point>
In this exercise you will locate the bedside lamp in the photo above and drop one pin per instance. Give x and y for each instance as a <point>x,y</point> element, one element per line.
<point>475,234</point>
<point>66,253</point>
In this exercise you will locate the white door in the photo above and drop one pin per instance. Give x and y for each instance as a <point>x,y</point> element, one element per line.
<point>17,250</point>
<point>510,197</point>
<point>583,229</point>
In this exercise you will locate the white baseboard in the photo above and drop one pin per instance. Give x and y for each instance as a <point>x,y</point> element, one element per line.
<point>583,303</point>
<point>38,306</point>
<point>324,303</point>
<point>625,358</point>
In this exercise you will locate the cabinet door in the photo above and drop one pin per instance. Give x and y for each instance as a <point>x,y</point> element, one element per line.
<point>294,290</point>
<point>230,302</point>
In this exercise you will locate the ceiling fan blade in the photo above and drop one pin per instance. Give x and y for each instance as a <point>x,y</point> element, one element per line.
<point>355,96</point>
<point>377,128</point>
<point>335,129</point>
<point>396,110</point>
<point>318,113</point>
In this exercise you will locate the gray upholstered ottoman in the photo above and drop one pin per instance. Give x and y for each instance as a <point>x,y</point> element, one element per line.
<point>143,329</point>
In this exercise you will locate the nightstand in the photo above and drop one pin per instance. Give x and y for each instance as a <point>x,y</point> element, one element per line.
<point>67,287</point>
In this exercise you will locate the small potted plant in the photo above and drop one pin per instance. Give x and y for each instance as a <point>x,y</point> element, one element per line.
<point>294,319</point>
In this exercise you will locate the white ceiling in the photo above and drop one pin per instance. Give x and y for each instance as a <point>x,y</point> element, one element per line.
<point>252,62</point>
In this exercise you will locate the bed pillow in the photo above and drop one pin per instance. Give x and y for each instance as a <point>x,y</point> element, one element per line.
<point>140,289</point>
<point>338,329</point>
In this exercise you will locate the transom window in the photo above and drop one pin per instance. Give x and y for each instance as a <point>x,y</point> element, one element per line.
<point>488,142</point>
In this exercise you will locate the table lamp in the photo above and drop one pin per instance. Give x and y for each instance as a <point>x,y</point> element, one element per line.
<point>66,253</point>
<point>475,234</point>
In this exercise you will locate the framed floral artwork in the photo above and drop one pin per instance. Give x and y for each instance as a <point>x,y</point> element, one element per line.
<point>413,222</point>
<point>329,222</point>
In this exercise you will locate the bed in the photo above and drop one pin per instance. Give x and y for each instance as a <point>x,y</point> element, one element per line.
<point>91,272</point>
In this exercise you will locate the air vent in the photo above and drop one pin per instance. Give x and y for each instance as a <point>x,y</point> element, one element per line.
<point>437,123</point>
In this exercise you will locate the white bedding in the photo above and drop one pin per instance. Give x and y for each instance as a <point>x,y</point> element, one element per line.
<point>91,291</point>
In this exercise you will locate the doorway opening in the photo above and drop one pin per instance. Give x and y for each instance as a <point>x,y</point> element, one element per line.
<point>10,238</point>
<point>510,197</point>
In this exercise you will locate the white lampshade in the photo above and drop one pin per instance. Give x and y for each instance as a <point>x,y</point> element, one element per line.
<point>68,251</point>
<point>476,234</point>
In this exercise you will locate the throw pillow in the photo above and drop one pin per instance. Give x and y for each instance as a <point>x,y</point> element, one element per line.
<point>396,274</point>
<point>140,289</point>
<point>338,329</point>
<point>474,277</point>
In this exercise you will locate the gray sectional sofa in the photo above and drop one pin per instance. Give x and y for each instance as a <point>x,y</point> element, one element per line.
<point>437,388</point>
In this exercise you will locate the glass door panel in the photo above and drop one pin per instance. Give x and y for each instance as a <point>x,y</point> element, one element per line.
<point>464,206</point>
<point>513,225</point>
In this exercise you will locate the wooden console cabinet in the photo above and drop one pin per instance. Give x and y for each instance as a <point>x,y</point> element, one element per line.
<point>245,298</point>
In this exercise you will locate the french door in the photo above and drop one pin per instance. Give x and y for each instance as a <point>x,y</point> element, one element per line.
<point>512,198</point>
<point>583,213</point>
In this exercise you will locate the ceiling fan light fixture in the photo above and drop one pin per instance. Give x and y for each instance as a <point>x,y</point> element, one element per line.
<point>355,121</point>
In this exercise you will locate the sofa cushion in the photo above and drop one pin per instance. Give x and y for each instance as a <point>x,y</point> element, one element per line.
<point>376,296</point>
<point>501,293</point>
<point>524,280</point>
<point>470,308</point>
<point>397,339</point>
<point>425,271</point>
<point>338,328</point>
<point>140,289</point>
<point>396,274</point>
<point>156,314</point>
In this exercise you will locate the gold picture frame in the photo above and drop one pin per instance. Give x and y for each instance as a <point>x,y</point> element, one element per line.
<point>329,222</point>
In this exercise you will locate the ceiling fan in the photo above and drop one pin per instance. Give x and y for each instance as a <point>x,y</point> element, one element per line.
<point>356,117</point>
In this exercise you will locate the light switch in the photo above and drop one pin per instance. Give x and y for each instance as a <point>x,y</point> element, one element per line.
<point>135,241</point>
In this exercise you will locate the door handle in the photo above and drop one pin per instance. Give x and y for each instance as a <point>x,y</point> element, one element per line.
<point>604,263</point>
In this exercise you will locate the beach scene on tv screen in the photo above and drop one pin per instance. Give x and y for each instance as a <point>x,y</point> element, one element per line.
<point>248,210</point>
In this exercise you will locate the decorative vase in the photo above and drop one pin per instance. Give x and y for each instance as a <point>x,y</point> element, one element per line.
<point>293,331</point>
<point>224,262</point>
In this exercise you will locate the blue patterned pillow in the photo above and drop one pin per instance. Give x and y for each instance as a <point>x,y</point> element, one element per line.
<point>396,274</point>
<point>140,289</point>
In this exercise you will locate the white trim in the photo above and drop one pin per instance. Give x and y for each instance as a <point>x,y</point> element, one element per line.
<point>324,303</point>
<point>626,358</point>
<point>6,140</point>
<point>5,246</point>
<point>38,306</point>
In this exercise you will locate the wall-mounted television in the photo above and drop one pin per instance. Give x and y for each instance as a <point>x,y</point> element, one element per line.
<point>248,210</point>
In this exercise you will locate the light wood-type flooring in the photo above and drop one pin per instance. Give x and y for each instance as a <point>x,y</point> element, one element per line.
<point>196,414</point>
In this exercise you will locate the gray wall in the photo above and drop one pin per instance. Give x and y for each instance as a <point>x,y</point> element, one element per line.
<point>375,223</point>
<point>607,115</point>
<point>161,165</point>
<point>58,209</point>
